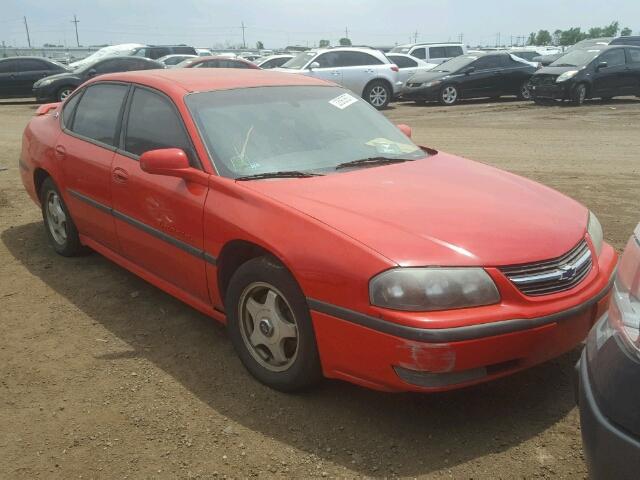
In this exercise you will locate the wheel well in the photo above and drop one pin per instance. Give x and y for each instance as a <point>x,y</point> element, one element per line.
<point>39,176</point>
<point>232,256</point>
<point>378,80</point>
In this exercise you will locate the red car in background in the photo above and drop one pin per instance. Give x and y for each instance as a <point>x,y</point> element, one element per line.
<point>329,243</point>
<point>217,62</point>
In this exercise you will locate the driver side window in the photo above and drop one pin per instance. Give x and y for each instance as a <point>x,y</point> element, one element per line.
<point>614,58</point>
<point>328,60</point>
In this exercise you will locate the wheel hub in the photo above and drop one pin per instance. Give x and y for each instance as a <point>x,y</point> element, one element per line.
<point>266,327</point>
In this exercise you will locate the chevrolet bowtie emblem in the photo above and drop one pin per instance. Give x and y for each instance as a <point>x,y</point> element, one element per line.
<point>567,272</point>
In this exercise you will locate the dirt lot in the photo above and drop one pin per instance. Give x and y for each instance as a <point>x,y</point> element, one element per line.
<point>104,376</point>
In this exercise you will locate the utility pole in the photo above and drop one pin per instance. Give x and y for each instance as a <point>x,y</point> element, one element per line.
<point>244,44</point>
<point>76,22</point>
<point>460,37</point>
<point>26,26</point>
<point>346,32</point>
<point>415,36</point>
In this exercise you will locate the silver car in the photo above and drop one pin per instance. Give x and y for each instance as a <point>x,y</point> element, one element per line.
<point>409,65</point>
<point>365,71</point>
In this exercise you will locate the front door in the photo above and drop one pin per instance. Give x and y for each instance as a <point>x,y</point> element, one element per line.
<point>328,69</point>
<point>159,219</point>
<point>486,80</point>
<point>610,80</point>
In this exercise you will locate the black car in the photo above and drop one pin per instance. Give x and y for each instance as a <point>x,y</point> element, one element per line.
<point>626,40</point>
<point>156,51</point>
<point>609,378</point>
<point>471,76</point>
<point>601,71</point>
<point>545,60</point>
<point>18,74</point>
<point>58,87</point>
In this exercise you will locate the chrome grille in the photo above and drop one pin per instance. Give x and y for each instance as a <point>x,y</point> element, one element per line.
<point>551,276</point>
<point>542,79</point>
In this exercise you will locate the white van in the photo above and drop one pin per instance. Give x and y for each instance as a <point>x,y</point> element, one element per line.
<point>432,52</point>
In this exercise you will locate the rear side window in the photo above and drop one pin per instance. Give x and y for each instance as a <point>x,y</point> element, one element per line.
<point>9,66</point>
<point>402,62</point>
<point>614,58</point>
<point>232,64</point>
<point>153,123</point>
<point>488,62</point>
<point>98,112</point>
<point>634,55</point>
<point>33,65</point>
<point>68,110</point>
<point>356,59</point>
<point>185,50</point>
<point>453,51</point>
<point>420,53</point>
<point>437,52</point>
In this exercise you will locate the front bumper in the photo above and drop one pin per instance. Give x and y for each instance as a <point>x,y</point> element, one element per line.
<point>555,91</point>
<point>610,451</point>
<point>384,355</point>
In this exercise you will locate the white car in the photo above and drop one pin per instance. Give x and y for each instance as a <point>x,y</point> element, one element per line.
<point>408,66</point>
<point>365,71</point>
<point>432,52</point>
<point>170,61</point>
<point>203,52</point>
<point>110,51</point>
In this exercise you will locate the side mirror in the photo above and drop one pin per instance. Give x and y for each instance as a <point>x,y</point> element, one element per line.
<point>92,72</point>
<point>469,70</point>
<point>171,162</point>
<point>406,129</point>
<point>314,65</point>
<point>601,65</point>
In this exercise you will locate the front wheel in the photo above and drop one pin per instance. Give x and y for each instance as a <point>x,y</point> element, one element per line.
<point>449,95</point>
<point>270,326</point>
<point>524,93</point>
<point>61,231</point>
<point>378,94</point>
<point>579,94</point>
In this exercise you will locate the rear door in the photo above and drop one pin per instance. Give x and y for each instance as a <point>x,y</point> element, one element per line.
<point>9,81</point>
<point>437,55</point>
<point>328,68</point>
<point>159,219</point>
<point>358,69</point>
<point>633,70</point>
<point>611,80</point>
<point>85,150</point>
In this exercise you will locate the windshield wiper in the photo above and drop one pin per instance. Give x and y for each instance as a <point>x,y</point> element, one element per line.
<point>281,174</point>
<point>371,161</point>
<point>564,65</point>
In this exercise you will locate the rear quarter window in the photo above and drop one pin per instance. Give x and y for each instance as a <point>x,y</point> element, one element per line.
<point>437,52</point>
<point>453,51</point>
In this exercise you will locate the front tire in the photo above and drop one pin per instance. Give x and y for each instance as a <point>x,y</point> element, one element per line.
<point>579,94</point>
<point>61,231</point>
<point>63,93</point>
<point>378,94</point>
<point>270,326</point>
<point>449,95</point>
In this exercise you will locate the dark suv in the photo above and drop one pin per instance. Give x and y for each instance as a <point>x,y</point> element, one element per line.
<point>601,71</point>
<point>156,51</point>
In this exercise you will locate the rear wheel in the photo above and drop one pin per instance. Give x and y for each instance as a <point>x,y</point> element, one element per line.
<point>61,231</point>
<point>579,94</point>
<point>524,93</point>
<point>449,95</point>
<point>270,326</point>
<point>378,94</point>
<point>63,93</point>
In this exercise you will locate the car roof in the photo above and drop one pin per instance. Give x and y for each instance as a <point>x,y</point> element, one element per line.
<point>183,80</point>
<point>422,44</point>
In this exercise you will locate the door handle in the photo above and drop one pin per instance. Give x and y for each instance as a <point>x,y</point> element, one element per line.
<point>60,151</point>
<point>120,175</point>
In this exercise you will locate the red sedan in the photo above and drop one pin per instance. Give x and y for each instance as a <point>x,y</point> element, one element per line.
<point>328,242</point>
<point>217,62</point>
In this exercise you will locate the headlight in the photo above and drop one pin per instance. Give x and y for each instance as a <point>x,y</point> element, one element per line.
<point>44,82</point>
<point>566,76</point>
<point>429,289</point>
<point>594,229</point>
<point>433,84</point>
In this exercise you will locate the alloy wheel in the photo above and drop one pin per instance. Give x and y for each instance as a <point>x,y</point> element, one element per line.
<point>525,92</point>
<point>449,95</point>
<point>268,326</point>
<point>56,218</point>
<point>64,94</point>
<point>378,96</point>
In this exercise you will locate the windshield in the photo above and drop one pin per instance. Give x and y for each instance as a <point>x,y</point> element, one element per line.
<point>576,58</point>
<point>300,60</point>
<point>252,131</point>
<point>456,63</point>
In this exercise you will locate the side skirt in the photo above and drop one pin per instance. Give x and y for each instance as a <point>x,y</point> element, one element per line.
<point>154,280</point>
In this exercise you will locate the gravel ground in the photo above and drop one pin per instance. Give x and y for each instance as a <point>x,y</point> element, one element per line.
<point>104,376</point>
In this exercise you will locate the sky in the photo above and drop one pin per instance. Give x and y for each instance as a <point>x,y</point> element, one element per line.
<point>277,23</point>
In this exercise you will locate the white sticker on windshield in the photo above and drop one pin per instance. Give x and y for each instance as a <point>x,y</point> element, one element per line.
<point>343,101</point>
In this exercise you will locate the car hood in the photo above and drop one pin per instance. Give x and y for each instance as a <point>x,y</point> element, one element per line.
<point>430,76</point>
<point>547,59</point>
<point>555,70</point>
<point>70,76</point>
<point>443,210</point>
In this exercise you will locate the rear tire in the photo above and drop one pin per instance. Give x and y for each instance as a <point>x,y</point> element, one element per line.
<point>61,231</point>
<point>579,94</point>
<point>449,95</point>
<point>524,93</point>
<point>63,93</point>
<point>378,94</point>
<point>270,326</point>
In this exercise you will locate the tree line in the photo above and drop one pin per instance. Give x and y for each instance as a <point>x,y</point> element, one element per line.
<point>575,34</point>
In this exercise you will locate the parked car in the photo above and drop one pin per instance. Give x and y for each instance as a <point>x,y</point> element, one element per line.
<point>527,55</point>
<point>273,61</point>
<point>57,88</point>
<point>609,378</point>
<point>408,66</point>
<point>321,234</point>
<point>471,76</point>
<point>626,40</point>
<point>124,49</point>
<point>365,71</point>
<point>217,62</point>
<point>18,74</point>
<point>156,51</point>
<point>432,52</point>
<point>601,71</point>
<point>546,60</point>
<point>204,52</point>
<point>173,60</point>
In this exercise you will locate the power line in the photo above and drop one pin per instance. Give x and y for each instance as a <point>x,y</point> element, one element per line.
<point>26,27</point>
<point>76,22</point>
